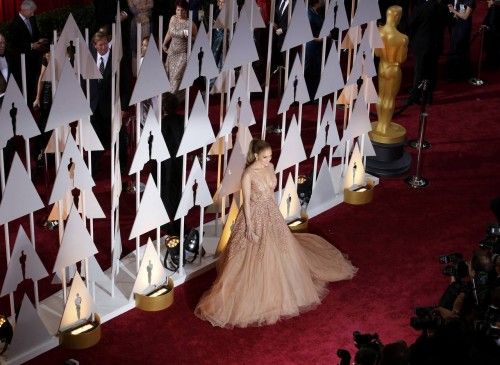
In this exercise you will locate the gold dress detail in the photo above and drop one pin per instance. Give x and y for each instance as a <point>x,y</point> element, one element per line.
<point>177,52</point>
<point>280,275</point>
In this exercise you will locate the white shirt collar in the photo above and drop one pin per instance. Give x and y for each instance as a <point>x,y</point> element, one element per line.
<point>105,58</point>
<point>23,17</point>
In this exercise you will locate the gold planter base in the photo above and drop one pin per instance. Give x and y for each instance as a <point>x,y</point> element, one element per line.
<point>82,340</point>
<point>394,134</point>
<point>360,197</point>
<point>158,303</point>
<point>299,225</point>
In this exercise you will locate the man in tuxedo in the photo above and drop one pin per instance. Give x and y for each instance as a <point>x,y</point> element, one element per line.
<point>280,27</point>
<point>25,38</point>
<point>100,94</point>
<point>426,27</point>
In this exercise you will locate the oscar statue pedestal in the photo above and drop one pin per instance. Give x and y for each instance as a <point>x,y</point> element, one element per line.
<point>391,159</point>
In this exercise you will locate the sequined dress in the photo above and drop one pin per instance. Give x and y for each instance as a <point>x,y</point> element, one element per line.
<point>280,275</point>
<point>177,52</point>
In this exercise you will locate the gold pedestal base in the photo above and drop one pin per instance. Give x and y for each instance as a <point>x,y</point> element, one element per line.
<point>82,340</point>
<point>299,225</point>
<point>394,134</point>
<point>360,197</point>
<point>161,302</point>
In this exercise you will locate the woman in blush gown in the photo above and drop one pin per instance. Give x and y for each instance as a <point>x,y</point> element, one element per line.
<point>266,272</point>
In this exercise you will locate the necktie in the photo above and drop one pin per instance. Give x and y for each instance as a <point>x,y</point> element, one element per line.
<point>28,25</point>
<point>101,66</point>
<point>282,6</point>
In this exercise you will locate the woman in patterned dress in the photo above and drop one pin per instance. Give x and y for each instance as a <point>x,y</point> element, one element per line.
<point>176,42</point>
<point>266,272</point>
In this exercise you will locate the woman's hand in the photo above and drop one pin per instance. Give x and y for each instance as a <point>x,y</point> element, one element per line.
<point>165,48</point>
<point>250,235</point>
<point>36,103</point>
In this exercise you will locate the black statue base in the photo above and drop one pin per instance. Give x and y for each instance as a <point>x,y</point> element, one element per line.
<point>391,160</point>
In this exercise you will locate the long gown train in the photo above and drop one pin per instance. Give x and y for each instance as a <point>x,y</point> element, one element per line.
<point>280,275</point>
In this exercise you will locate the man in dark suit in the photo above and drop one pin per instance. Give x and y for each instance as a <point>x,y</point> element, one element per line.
<point>280,28</point>
<point>25,38</point>
<point>426,27</point>
<point>100,95</point>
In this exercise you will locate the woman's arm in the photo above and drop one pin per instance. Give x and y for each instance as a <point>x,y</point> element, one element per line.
<point>465,15</point>
<point>39,87</point>
<point>194,30</point>
<point>246,187</point>
<point>168,36</point>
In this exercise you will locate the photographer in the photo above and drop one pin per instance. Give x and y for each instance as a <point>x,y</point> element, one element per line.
<point>452,301</point>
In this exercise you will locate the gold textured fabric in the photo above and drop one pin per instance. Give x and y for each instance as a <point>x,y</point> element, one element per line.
<point>280,275</point>
<point>177,52</point>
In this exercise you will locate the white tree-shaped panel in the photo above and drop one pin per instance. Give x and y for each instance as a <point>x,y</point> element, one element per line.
<point>296,87</point>
<point>79,307</point>
<point>335,17</point>
<point>327,133</point>
<point>292,151</point>
<point>151,273</point>
<point>299,29</point>
<point>242,49</point>
<point>151,212</point>
<point>290,202</point>
<point>332,78</point>
<point>24,264</point>
<point>20,196</point>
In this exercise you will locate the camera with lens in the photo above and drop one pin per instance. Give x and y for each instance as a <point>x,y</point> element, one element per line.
<point>451,258</point>
<point>488,326</point>
<point>426,318</point>
<point>367,340</point>
<point>458,270</point>
<point>492,240</point>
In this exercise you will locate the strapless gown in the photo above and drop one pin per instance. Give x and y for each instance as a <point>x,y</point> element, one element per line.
<point>280,275</point>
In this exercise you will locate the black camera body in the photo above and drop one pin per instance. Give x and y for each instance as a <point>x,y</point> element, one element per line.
<point>425,318</point>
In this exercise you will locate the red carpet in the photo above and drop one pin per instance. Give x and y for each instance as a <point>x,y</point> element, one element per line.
<point>395,241</point>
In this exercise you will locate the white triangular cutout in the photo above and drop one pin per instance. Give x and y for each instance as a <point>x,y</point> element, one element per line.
<point>195,191</point>
<point>368,90</point>
<point>359,123</point>
<point>368,150</point>
<point>116,189</point>
<point>30,332</point>
<point>299,29</point>
<point>117,245</point>
<point>327,133</point>
<point>62,134</point>
<point>252,11</point>
<point>79,306</point>
<point>290,203</point>
<point>201,61</point>
<point>151,273</point>
<point>151,146</point>
<point>90,140</point>
<point>19,196</point>
<point>366,11</point>
<point>292,151</point>
<point>363,66</point>
<point>242,49</point>
<point>374,35</point>
<point>254,81</point>
<point>336,175</point>
<point>70,33</point>
<point>76,243</point>
<point>198,132</point>
<point>239,111</point>
<point>332,78</point>
<point>355,174</point>
<point>116,118</point>
<point>296,87</point>
<point>24,264</point>
<point>335,17</point>
<point>15,112</point>
<point>348,94</point>
<point>69,102</point>
<point>92,207</point>
<point>72,172</point>
<point>95,272</point>
<point>231,182</point>
<point>353,36</point>
<point>117,53</point>
<point>152,79</point>
<point>323,194</point>
<point>221,83</point>
<point>151,212</point>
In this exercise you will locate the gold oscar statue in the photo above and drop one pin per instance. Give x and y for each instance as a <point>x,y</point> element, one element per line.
<point>389,78</point>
